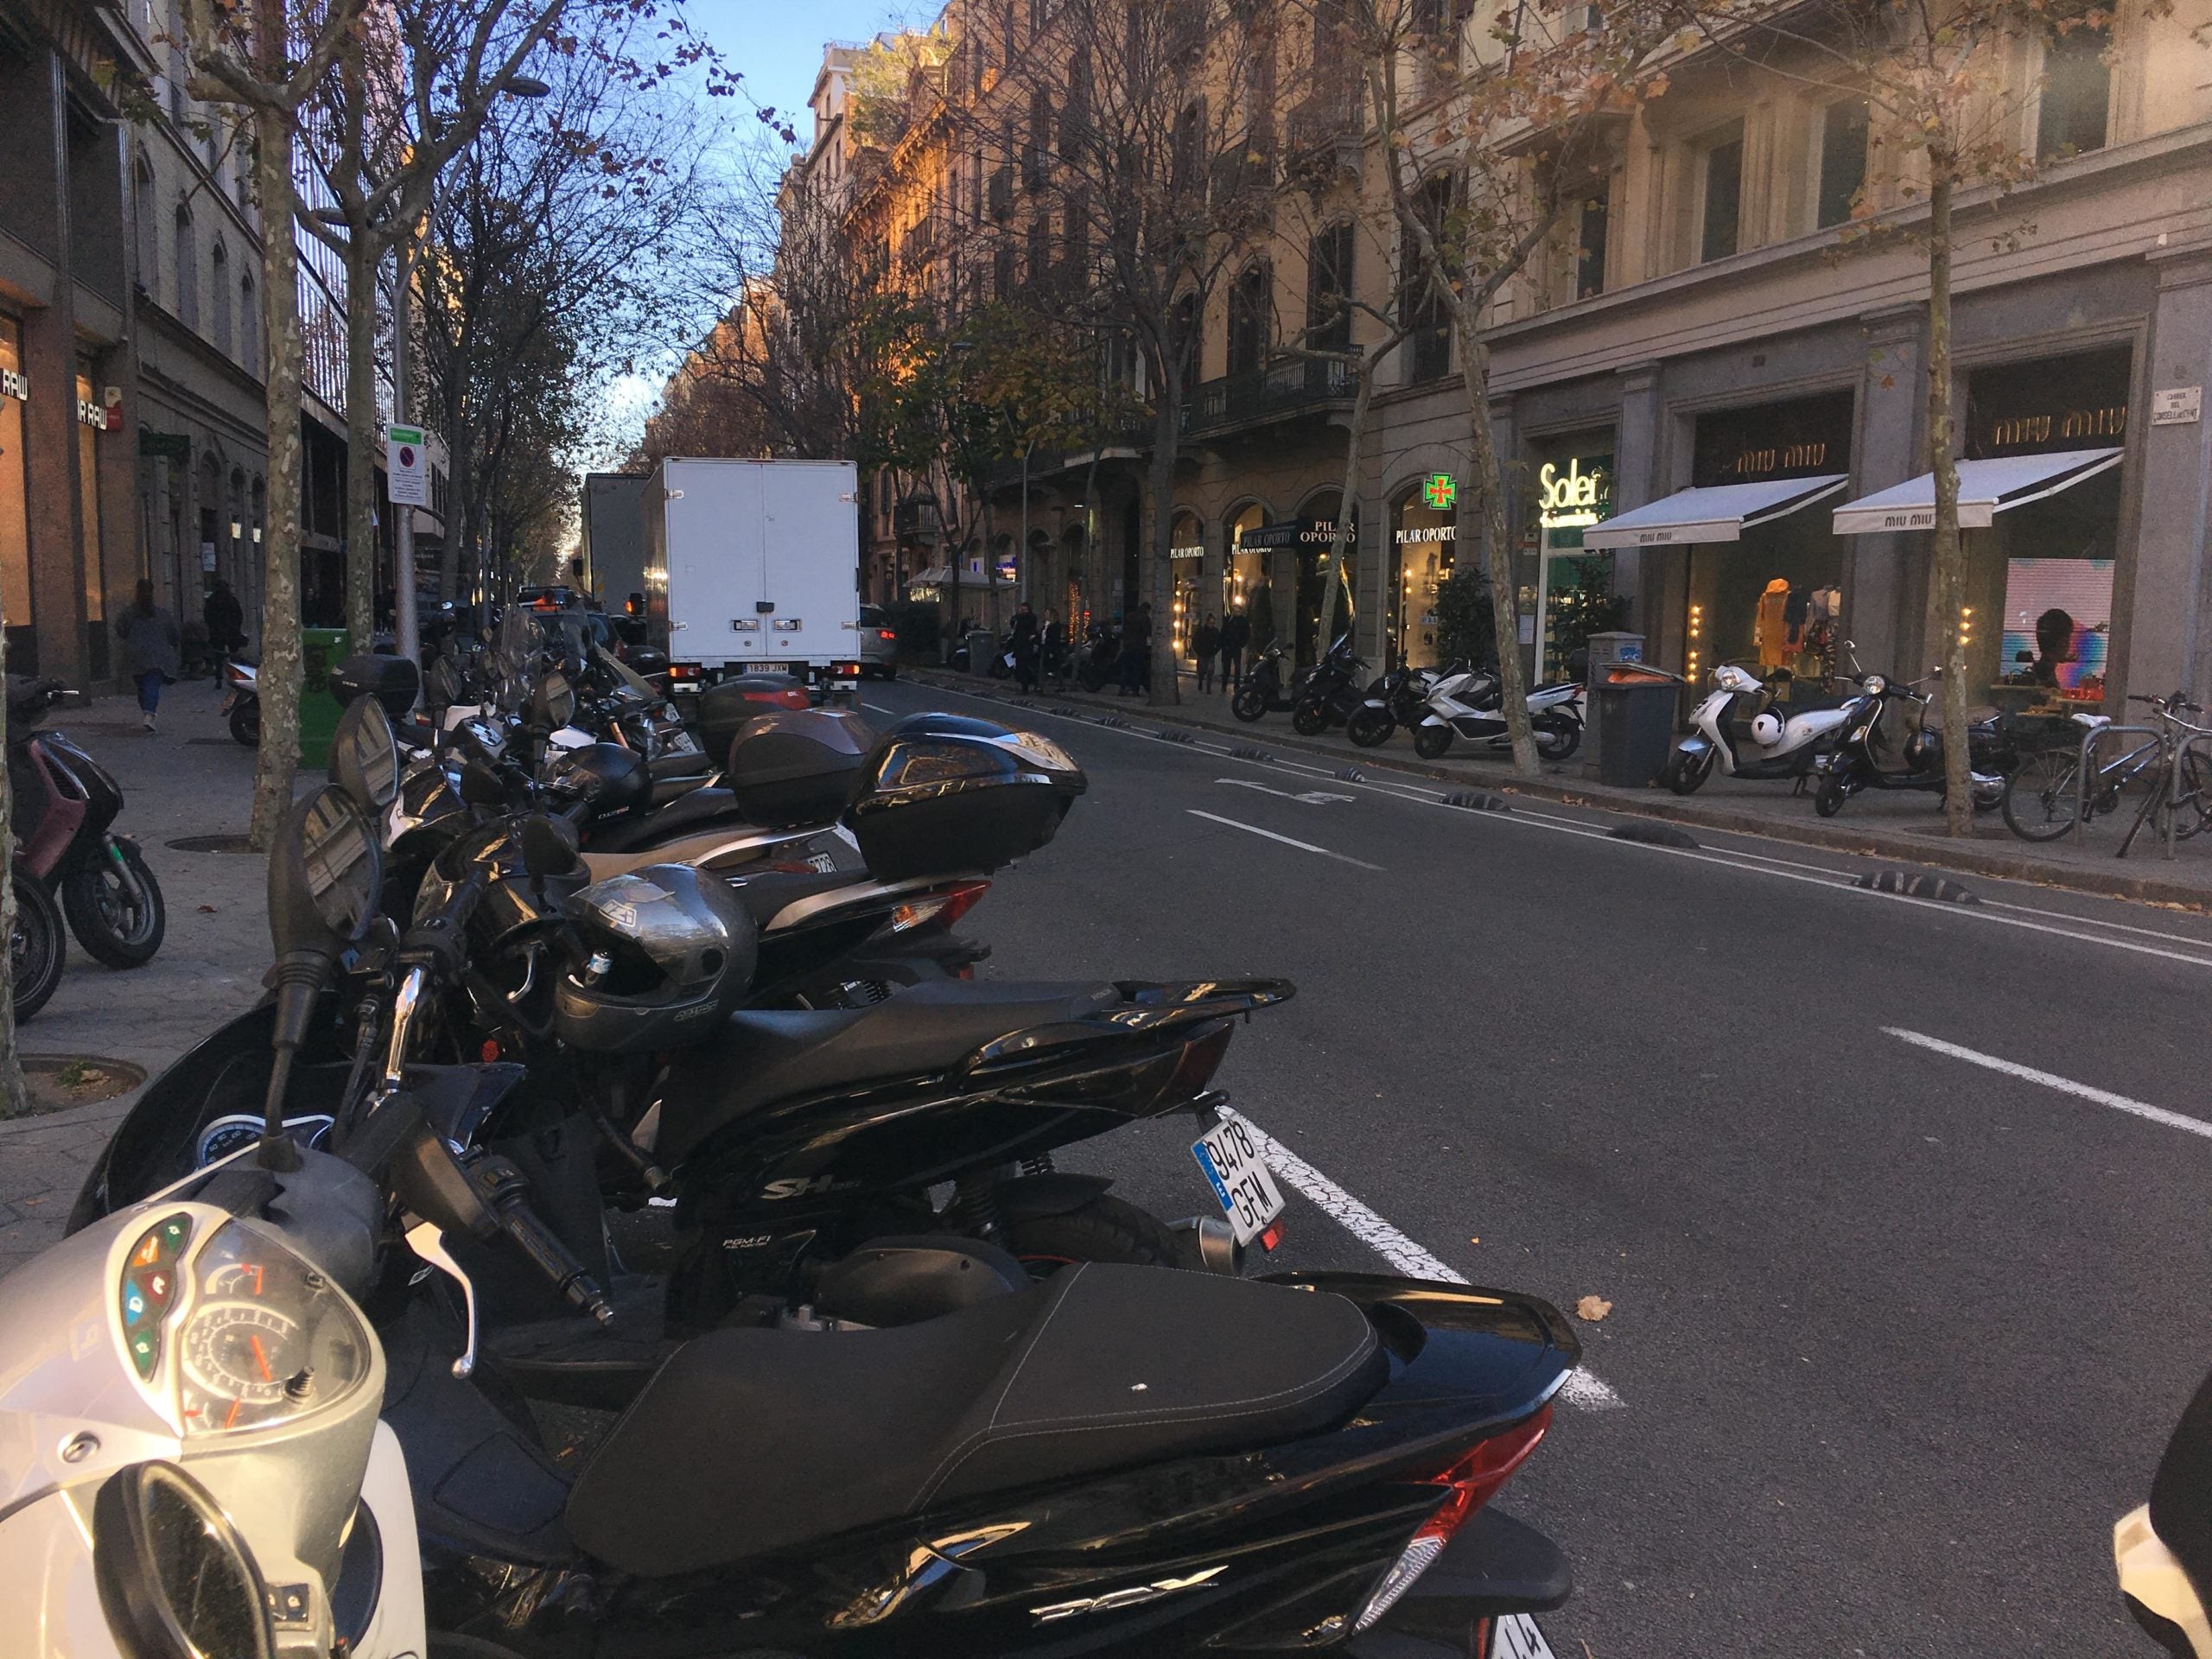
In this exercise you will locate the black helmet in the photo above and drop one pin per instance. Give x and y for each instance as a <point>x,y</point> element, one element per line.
<point>668,952</point>
<point>611,779</point>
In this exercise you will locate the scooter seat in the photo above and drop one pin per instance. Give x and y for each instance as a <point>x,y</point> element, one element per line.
<point>752,1442</point>
<point>762,1056</point>
<point>686,813</point>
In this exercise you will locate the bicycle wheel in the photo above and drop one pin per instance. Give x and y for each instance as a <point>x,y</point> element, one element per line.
<point>2195,795</point>
<point>2041,802</point>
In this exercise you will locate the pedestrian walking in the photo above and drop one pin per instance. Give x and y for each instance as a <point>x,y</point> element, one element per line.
<point>1052,648</point>
<point>149,642</point>
<point>1235,632</point>
<point>1208,645</point>
<point>224,617</point>
<point>1021,641</point>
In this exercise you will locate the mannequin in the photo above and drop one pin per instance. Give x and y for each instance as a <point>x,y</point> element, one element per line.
<point>1770,631</point>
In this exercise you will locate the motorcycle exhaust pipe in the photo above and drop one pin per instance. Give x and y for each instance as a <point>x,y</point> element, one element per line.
<point>1208,1243</point>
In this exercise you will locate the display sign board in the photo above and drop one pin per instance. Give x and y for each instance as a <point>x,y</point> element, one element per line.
<point>2047,405</point>
<point>1803,438</point>
<point>407,475</point>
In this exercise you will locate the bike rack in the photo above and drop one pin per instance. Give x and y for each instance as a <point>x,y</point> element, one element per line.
<point>2087,769</point>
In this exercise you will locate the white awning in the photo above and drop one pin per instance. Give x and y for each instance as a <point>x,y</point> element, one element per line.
<point>1718,512</point>
<point>937,575</point>
<point>1986,489</point>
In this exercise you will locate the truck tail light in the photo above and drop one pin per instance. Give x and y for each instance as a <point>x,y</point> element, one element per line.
<point>887,633</point>
<point>679,672</point>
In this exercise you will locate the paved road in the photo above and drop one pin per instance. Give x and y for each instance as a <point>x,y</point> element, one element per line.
<point>1896,1335</point>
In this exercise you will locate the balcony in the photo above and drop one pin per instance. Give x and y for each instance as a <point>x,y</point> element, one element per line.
<point>919,245</point>
<point>1323,135</point>
<point>1288,385</point>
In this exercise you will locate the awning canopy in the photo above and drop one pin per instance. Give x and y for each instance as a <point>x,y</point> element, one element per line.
<point>936,575</point>
<point>1986,489</point>
<point>1717,512</point>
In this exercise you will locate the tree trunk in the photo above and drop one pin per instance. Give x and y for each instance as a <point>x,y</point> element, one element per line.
<point>1362,395</point>
<point>1950,551</point>
<point>1156,528</point>
<point>1490,480</point>
<point>361,437</point>
<point>280,619</point>
<point>14,1100</point>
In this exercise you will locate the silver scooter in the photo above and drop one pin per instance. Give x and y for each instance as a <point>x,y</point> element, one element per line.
<point>1466,703</point>
<point>1774,742</point>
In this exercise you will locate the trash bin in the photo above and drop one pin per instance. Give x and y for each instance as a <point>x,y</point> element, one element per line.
<point>983,648</point>
<point>320,651</point>
<point>1636,706</point>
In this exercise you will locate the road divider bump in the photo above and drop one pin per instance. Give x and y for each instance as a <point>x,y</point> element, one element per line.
<point>1654,835</point>
<point>1918,886</point>
<point>1477,800</point>
<point>1169,734</point>
<point>1350,775</point>
<point>1248,752</point>
<point>1114,722</point>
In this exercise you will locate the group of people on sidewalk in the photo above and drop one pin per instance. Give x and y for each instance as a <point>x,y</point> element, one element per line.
<point>1040,648</point>
<point>151,643</point>
<point>1221,640</point>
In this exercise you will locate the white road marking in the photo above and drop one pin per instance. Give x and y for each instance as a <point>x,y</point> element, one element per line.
<point>1302,846</point>
<point>878,709</point>
<point>2052,1080</point>
<point>1312,797</point>
<point>1387,1242</point>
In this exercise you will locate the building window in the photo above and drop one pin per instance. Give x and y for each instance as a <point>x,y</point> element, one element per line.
<point>1003,273</point>
<point>218,296</point>
<point>1250,301</point>
<point>1040,252</point>
<point>249,328</point>
<point>1189,330</point>
<point>1593,222</point>
<point>1329,289</point>
<point>1721,218</point>
<point>187,271</point>
<point>1424,312</point>
<point>2076,103</point>
<point>1843,160</point>
<point>146,220</point>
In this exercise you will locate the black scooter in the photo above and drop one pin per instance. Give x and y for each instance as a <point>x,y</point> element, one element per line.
<point>1263,691</point>
<point>1332,696</point>
<point>1857,762</point>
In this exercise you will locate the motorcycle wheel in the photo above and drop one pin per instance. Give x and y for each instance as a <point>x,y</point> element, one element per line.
<point>1557,736</point>
<point>1371,728</point>
<point>1684,775</point>
<point>245,722</point>
<point>39,948</point>
<point>115,908</point>
<point>1835,791</point>
<point>999,670</point>
<point>1248,704</point>
<point>1092,678</point>
<point>1105,1229</point>
<point>1431,741</point>
<point>1309,719</point>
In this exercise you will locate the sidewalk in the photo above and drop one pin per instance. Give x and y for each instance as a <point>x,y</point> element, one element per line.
<point>1907,828</point>
<point>188,779</point>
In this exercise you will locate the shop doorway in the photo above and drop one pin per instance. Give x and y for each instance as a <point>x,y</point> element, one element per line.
<point>1325,590</point>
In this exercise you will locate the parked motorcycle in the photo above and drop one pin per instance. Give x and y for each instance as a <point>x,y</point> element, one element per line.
<point>1313,1460</point>
<point>1332,694</point>
<point>2163,1549</point>
<point>1466,702</point>
<point>38,950</point>
<point>1097,660</point>
<point>65,807</point>
<point>1263,690</point>
<point>1857,763</point>
<point>242,699</point>
<point>1398,698</point>
<point>1732,732</point>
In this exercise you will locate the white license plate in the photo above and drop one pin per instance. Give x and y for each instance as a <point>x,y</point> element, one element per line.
<point>1240,1179</point>
<point>1516,1637</point>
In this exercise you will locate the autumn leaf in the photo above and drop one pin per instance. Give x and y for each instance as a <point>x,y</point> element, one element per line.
<point>206,910</point>
<point>1592,1308</point>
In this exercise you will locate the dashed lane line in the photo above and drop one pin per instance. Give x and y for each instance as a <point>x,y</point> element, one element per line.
<point>1302,846</point>
<point>2052,1080</point>
<point>1400,1252</point>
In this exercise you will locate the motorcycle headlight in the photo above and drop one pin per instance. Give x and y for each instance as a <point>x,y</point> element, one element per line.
<point>175,1579</point>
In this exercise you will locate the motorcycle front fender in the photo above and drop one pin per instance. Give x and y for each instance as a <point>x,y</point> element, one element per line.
<point>1694,746</point>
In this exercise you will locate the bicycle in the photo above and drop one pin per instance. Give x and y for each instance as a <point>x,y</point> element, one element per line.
<point>2043,799</point>
<point>2180,801</point>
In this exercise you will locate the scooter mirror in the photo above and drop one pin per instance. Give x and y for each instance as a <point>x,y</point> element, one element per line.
<point>548,848</point>
<point>175,1575</point>
<point>480,786</point>
<point>364,755</point>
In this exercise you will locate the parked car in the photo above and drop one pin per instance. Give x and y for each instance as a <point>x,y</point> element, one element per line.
<point>879,644</point>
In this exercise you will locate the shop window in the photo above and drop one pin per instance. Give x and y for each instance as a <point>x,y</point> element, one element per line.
<point>1592,218</point>
<point>1843,160</point>
<point>146,223</point>
<point>88,525</point>
<point>1250,303</point>
<point>219,295</point>
<point>1721,170</point>
<point>187,271</point>
<point>2076,104</point>
<point>1329,289</point>
<point>14,513</point>
<point>249,326</point>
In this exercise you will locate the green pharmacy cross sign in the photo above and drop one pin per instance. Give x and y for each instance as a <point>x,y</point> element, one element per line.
<point>1440,491</point>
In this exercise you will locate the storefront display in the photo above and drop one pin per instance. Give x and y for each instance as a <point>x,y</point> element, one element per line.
<point>1423,538</point>
<point>14,514</point>
<point>91,422</point>
<point>1245,568</point>
<point>1574,586</point>
<point>1186,552</point>
<point>2057,625</point>
<point>1311,540</point>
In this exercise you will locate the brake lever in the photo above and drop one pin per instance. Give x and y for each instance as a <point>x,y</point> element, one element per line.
<point>427,1241</point>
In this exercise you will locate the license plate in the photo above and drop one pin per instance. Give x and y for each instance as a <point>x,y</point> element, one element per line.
<point>1240,1179</point>
<point>1516,1637</point>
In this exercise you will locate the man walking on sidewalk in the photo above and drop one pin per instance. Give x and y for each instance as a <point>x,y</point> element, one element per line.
<point>1236,629</point>
<point>149,643</point>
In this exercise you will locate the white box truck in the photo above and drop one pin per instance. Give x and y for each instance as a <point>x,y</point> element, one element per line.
<point>752,566</point>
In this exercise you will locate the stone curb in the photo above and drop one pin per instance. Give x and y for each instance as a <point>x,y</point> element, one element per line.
<point>2144,888</point>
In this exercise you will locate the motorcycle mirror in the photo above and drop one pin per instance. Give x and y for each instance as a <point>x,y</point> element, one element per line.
<point>555,704</point>
<point>364,755</point>
<point>549,847</point>
<point>173,1569</point>
<point>324,874</point>
<point>480,786</point>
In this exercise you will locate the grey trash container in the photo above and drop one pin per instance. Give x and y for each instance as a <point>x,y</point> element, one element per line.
<point>1637,705</point>
<point>982,647</point>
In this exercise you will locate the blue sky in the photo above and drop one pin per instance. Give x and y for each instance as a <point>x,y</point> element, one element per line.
<point>778,43</point>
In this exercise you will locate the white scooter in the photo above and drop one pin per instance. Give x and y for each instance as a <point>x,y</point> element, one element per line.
<point>1466,703</point>
<point>191,1461</point>
<point>1774,743</point>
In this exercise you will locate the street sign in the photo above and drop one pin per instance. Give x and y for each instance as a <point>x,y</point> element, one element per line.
<point>2176,406</point>
<point>407,480</point>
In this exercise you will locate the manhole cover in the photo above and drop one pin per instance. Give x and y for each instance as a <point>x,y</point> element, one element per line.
<point>56,1082</point>
<point>212,844</point>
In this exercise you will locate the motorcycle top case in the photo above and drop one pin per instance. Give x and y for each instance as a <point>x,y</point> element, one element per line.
<point>942,793</point>
<point>797,767</point>
<point>727,706</point>
<point>392,681</point>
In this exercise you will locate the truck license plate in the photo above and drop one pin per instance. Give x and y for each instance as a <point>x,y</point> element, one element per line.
<point>1240,1179</point>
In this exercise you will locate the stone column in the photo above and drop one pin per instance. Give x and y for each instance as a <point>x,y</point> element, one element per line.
<point>2166,643</point>
<point>50,422</point>
<point>1635,483</point>
<point>1885,577</point>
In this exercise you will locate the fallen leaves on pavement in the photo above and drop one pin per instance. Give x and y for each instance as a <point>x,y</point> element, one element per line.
<point>1592,1308</point>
